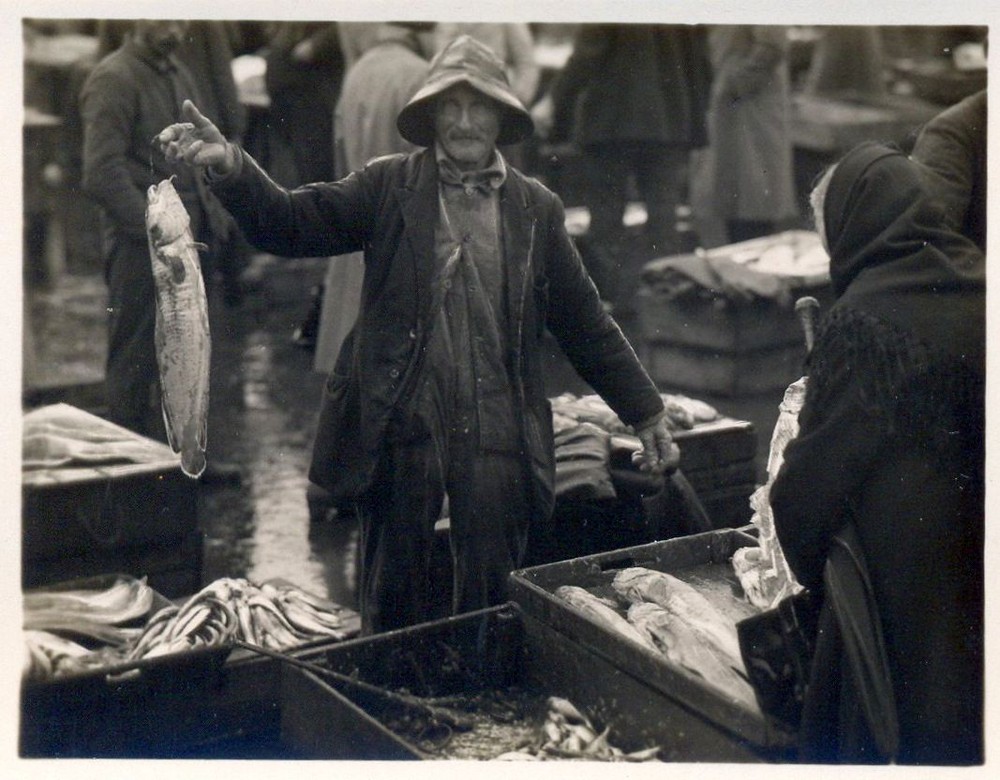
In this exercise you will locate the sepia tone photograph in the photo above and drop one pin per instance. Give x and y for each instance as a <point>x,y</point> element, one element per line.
<point>599,387</point>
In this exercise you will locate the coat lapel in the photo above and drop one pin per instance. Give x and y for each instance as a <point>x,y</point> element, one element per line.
<point>418,199</point>
<point>519,236</point>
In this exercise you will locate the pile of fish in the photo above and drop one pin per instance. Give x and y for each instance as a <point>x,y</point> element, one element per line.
<point>270,616</point>
<point>73,631</point>
<point>683,413</point>
<point>566,733</point>
<point>183,344</point>
<point>70,631</point>
<point>669,617</point>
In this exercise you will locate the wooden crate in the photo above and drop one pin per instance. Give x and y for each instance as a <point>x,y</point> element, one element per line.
<point>506,646</point>
<point>702,559</point>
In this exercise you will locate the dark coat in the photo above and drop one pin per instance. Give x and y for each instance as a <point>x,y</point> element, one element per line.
<point>891,440</point>
<point>953,146</point>
<point>635,82</point>
<point>390,210</point>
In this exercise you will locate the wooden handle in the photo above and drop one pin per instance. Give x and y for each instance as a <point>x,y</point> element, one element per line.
<point>807,307</point>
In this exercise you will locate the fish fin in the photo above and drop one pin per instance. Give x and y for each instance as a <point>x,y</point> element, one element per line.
<point>168,423</point>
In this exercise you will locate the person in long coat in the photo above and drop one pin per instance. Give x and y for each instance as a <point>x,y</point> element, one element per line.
<point>744,184</point>
<point>440,390</point>
<point>891,450</point>
<point>633,97</point>
<point>374,91</point>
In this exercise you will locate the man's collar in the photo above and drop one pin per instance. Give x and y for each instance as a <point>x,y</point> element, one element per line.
<point>493,175</point>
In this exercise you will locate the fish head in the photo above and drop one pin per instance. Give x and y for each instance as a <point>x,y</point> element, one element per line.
<point>166,218</point>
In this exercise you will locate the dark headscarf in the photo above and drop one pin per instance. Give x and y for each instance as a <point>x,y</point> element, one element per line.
<point>891,255</point>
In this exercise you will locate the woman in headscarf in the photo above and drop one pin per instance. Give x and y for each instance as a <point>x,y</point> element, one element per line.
<point>887,474</point>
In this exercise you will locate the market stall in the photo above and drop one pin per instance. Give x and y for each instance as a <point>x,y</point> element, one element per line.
<point>722,322</point>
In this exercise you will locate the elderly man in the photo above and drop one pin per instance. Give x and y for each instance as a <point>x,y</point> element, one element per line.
<point>439,388</point>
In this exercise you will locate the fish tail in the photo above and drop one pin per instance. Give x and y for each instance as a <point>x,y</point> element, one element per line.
<point>193,462</point>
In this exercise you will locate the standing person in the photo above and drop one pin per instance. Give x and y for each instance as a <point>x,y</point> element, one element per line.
<point>305,67</point>
<point>635,97</point>
<point>375,90</point>
<point>125,102</point>
<point>440,389</point>
<point>891,449</point>
<point>745,178</point>
<point>952,146</point>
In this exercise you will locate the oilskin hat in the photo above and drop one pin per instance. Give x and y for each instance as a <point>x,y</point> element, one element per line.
<point>464,61</point>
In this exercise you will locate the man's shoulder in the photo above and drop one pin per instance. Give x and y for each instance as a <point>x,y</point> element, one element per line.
<point>120,66</point>
<point>535,190</point>
<point>388,161</point>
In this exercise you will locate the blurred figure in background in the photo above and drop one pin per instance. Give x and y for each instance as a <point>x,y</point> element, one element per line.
<point>305,68</point>
<point>848,61</point>
<point>953,147</point>
<point>743,183</point>
<point>634,97</point>
<point>125,102</point>
<point>375,89</point>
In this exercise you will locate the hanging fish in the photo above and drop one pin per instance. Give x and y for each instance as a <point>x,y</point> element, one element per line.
<point>183,344</point>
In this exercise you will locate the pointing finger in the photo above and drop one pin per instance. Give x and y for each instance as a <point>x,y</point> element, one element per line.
<point>193,115</point>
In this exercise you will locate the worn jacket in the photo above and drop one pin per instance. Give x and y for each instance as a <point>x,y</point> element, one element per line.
<point>389,210</point>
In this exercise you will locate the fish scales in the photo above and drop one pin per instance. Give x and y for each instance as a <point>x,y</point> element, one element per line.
<point>182,338</point>
<point>638,584</point>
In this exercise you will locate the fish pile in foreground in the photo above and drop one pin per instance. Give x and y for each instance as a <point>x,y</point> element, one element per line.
<point>53,620</point>
<point>669,617</point>
<point>567,733</point>
<point>274,617</point>
<point>73,631</point>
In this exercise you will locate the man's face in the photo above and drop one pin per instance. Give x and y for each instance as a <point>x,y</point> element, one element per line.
<point>467,124</point>
<point>161,35</point>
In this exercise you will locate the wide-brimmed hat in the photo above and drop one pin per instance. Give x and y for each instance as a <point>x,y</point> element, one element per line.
<point>464,61</point>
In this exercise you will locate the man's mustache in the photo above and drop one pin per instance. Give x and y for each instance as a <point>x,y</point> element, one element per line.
<point>463,136</point>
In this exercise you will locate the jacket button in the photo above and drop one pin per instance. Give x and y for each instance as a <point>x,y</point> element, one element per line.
<point>413,334</point>
<point>394,373</point>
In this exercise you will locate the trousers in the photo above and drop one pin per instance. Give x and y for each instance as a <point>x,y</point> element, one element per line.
<point>659,172</point>
<point>488,500</point>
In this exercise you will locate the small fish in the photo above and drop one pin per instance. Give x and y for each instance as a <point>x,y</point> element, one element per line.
<point>183,343</point>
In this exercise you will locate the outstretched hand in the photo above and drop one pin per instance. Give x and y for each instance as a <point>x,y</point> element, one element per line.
<point>197,142</point>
